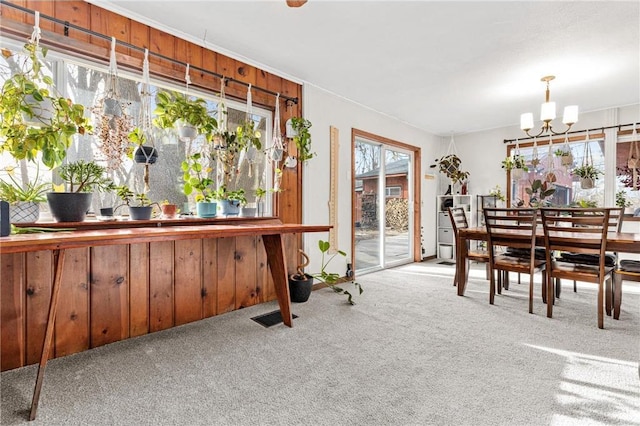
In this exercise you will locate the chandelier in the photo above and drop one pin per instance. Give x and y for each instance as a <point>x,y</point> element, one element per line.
<point>548,114</point>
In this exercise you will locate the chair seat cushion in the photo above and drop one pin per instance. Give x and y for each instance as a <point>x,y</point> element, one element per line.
<point>630,266</point>
<point>523,253</point>
<point>588,259</point>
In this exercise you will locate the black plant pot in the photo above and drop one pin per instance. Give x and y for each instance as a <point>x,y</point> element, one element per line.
<point>140,213</point>
<point>145,154</point>
<point>69,206</point>
<point>300,288</point>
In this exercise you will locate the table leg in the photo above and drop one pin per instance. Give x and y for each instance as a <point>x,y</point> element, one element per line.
<point>276,260</point>
<point>58,256</point>
<point>461,265</point>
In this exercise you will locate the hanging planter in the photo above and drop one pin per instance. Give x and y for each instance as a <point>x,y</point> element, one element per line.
<point>586,183</point>
<point>113,124</point>
<point>145,154</point>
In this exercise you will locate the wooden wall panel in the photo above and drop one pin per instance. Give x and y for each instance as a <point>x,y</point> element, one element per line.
<point>163,44</point>
<point>226,275</point>
<point>188,281</point>
<point>12,14</point>
<point>160,286</point>
<point>109,294</point>
<point>12,317</point>
<point>246,272</point>
<point>138,289</point>
<point>109,24</point>
<point>209,277</point>
<point>72,317</point>
<point>139,35</point>
<point>39,280</point>
<point>77,13</point>
<point>45,8</point>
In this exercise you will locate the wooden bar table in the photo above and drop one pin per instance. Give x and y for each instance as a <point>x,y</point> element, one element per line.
<point>58,242</point>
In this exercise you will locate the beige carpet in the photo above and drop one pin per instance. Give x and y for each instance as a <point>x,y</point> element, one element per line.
<point>411,352</point>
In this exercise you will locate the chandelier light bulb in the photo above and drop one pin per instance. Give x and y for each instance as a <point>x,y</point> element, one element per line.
<point>570,115</point>
<point>526,121</point>
<point>548,111</point>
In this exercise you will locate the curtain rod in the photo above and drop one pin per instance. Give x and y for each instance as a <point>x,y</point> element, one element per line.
<point>618,126</point>
<point>68,25</point>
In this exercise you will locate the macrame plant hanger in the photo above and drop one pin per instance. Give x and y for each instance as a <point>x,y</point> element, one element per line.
<point>251,151</point>
<point>535,160</point>
<point>219,141</point>
<point>277,148</point>
<point>550,175</point>
<point>151,154</point>
<point>634,160</point>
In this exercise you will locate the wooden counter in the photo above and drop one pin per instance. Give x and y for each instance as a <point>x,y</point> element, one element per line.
<point>98,286</point>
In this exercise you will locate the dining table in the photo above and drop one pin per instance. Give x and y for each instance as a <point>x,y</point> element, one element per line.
<point>620,242</point>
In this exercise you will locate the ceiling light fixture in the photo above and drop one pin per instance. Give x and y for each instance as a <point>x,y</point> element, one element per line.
<point>548,114</point>
<point>294,3</point>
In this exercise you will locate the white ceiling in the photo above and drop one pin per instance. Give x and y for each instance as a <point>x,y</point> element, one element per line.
<point>447,66</point>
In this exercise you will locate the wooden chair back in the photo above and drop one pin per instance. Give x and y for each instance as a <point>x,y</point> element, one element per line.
<point>458,219</point>
<point>580,231</point>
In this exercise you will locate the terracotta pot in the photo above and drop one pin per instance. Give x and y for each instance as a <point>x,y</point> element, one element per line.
<point>169,211</point>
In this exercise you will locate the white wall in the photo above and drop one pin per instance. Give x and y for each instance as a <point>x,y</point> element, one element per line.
<point>324,109</point>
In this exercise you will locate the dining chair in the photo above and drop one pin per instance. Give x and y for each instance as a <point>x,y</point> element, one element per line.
<point>582,232</point>
<point>628,270</point>
<point>514,228</point>
<point>614,225</point>
<point>459,221</point>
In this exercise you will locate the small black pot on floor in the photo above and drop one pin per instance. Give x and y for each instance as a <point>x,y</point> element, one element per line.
<point>300,288</point>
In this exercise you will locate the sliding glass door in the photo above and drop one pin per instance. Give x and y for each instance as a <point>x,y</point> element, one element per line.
<point>383,196</point>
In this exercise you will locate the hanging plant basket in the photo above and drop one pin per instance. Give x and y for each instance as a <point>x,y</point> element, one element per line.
<point>517,174</point>
<point>566,160</point>
<point>586,183</point>
<point>145,154</point>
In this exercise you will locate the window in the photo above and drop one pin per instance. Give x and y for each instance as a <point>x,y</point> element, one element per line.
<point>84,83</point>
<point>394,191</point>
<point>625,174</point>
<point>545,165</point>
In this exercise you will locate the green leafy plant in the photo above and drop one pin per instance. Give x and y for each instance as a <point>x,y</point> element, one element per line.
<point>586,171</point>
<point>34,120</point>
<point>497,192</point>
<point>562,152</point>
<point>247,135</point>
<point>13,191</point>
<point>173,106</point>
<point>331,279</point>
<point>538,192</point>
<point>84,176</point>
<point>131,198</point>
<point>516,161</point>
<point>197,178</point>
<point>450,166</point>
<point>302,139</point>
<point>621,199</point>
<point>585,204</point>
<point>223,194</point>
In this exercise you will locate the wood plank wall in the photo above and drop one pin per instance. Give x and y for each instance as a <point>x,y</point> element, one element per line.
<point>111,293</point>
<point>116,292</point>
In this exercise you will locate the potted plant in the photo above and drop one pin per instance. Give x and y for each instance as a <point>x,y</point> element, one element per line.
<point>229,202</point>
<point>169,210</point>
<point>301,283</point>
<point>140,206</point>
<point>538,192</point>
<point>197,180</point>
<point>298,130</point>
<point>516,165</point>
<point>33,119</point>
<point>143,154</point>
<point>587,174</point>
<point>247,136</point>
<point>81,179</point>
<point>566,157</point>
<point>260,193</point>
<point>24,198</point>
<point>622,202</point>
<point>189,116</point>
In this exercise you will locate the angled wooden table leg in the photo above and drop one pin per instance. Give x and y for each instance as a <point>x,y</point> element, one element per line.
<point>58,256</point>
<point>276,260</point>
